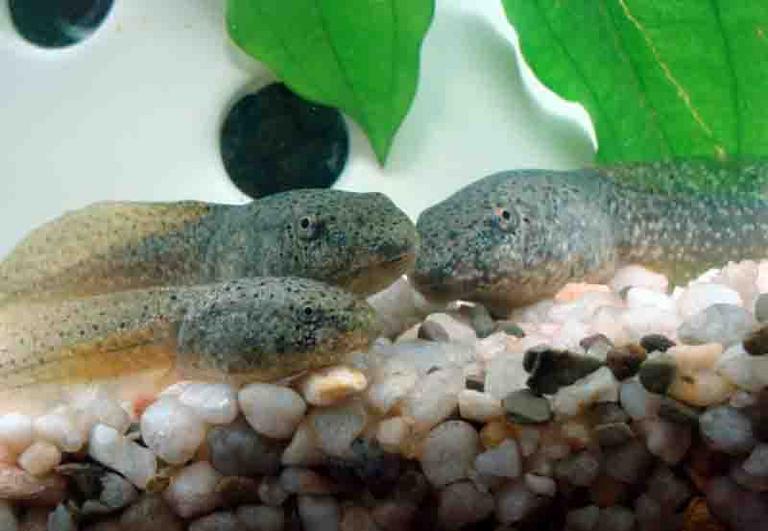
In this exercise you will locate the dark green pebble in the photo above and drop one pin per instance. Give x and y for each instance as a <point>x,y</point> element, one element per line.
<point>481,321</point>
<point>613,434</point>
<point>551,369</point>
<point>677,412</point>
<point>524,407</point>
<point>432,331</point>
<point>656,343</point>
<point>657,374</point>
<point>510,328</point>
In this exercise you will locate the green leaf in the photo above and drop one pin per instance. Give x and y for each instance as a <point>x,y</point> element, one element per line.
<point>661,79</point>
<point>361,56</point>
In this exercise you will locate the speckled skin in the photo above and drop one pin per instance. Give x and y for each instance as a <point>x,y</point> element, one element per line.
<point>516,237</point>
<point>360,242</point>
<point>254,329</point>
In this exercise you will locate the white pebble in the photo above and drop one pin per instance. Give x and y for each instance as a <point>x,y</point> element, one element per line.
<point>60,428</point>
<point>172,430</point>
<point>637,401</point>
<point>639,322</point>
<point>261,517</point>
<point>398,307</point>
<point>598,386</point>
<point>392,433</point>
<point>107,446</point>
<point>474,405</point>
<point>741,369</point>
<point>331,385</point>
<point>425,356</point>
<point>504,374</point>
<point>303,450</point>
<point>461,504</point>
<point>666,440</point>
<point>448,452</point>
<point>40,458</point>
<point>319,513</point>
<point>98,407</point>
<point>16,431</point>
<point>699,297</point>
<point>434,398</point>
<point>390,384</point>
<point>336,427</point>
<point>514,502</point>
<point>641,297</point>
<point>541,485</point>
<point>272,410</point>
<point>635,275</point>
<point>192,491</point>
<point>501,461</point>
<point>458,332</point>
<point>215,403</point>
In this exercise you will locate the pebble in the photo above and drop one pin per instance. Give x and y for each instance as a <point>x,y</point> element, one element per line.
<point>637,401</point>
<point>8,520</point>
<point>501,461</point>
<point>434,399</point>
<point>641,297</point>
<point>552,369</point>
<point>272,410</point>
<point>741,369</point>
<point>481,321</point>
<point>336,427</point>
<point>596,346</point>
<point>390,385</point>
<point>541,485</point>
<point>220,521</point>
<point>580,469</point>
<point>448,452</point>
<point>699,297</point>
<point>640,321</point>
<point>761,307</point>
<point>116,492</point>
<point>608,412</point>
<point>628,462</point>
<point>461,504</point>
<point>260,518</point>
<point>524,407</point>
<point>510,328</point>
<point>615,518</point>
<point>332,385</point>
<point>726,324</point>
<point>392,433</point>
<point>99,407</point>
<point>656,343</point>
<point>17,484</point>
<point>319,513</point>
<point>150,513</point>
<point>625,361</point>
<point>576,434</point>
<point>238,490</point>
<point>427,356</point>
<point>16,432</point>
<point>215,403</point>
<point>505,374</point>
<point>666,440</point>
<point>60,519</point>
<point>40,458</point>
<point>172,430</point>
<point>514,502</point>
<point>432,331</point>
<point>613,433</point>
<point>236,449</point>
<point>107,446</point>
<point>60,428</point>
<point>599,386</point>
<point>393,515</point>
<point>305,481</point>
<point>271,492</point>
<point>677,412</point>
<point>756,343</point>
<point>478,406</point>
<point>664,487</point>
<point>638,276</point>
<point>357,518</point>
<point>303,449</point>
<point>726,429</point>
<point>757,462</point>
<point>583,519</point>
<point>193,491</point>
<point>398,307</point>
<point>658,372</point>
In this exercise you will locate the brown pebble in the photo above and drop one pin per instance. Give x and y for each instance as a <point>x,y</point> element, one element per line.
<point>150,513</point>
<point>393,515</point>
<point>35,519</point>
<point>625,361</point>
<point>238,490</point>
<point>756,343</point>
<point>356,518</point>
<point>606,491</point>
<point>306,482</point>
<point>16,484</point>
<point>697,517</point>
<point>656,343</point>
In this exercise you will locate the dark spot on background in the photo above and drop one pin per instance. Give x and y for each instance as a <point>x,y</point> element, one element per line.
<point>57,23</point>
<point>273,141</point>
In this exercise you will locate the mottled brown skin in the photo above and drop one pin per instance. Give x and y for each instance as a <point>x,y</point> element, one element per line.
<point>516,237</point>
<point>361,242</point>
<point>249,329</point>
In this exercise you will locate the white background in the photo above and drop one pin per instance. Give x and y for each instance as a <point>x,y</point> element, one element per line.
<point>134,112</point>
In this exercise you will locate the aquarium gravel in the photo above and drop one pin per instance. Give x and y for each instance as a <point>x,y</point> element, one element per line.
<point>632,405</point>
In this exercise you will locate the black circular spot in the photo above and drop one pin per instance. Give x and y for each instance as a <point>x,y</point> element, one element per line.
<point>307,310</point>
<point>506,215</point>
<point>57,23</point>
<point>273,141</point>
<point>305,223</point>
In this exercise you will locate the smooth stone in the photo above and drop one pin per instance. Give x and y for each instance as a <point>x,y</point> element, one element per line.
<point>608,413</point>
<point>526,408</point>
<point>637,401</point>
<point>596,345</point>
<point>726,324</point>
<point>236,449</point>
<point>99,407</point>
<point>514,502</point>
<point>501,461</point>
<point>261,518</point>
<point>434,399</point>
<point>761,307</point>
<point>18,484</point>
<point>461,504</point>
<point>108,447</point>
<point>541,485</point>
<point>583,519</point>
<point>552,369</point>
<point>638,276</point>
<point>667,489</point>
<point>389,385</point>
<point>510,328</point>
<point>613,434</point>
<point>60,428</point>
<point>698,297</point>
<point>427,356</point>
<point>116,492</point>
<point>598,386</point>
<point>478,406</point>
<point>357,518</point>
<point>743,370</point>
<point>150,513</point>
<point>756,343</point>
<point>657,373</point>
<point>40,458</point>
<point>697,381</point>
<point>628,462</point>
<point>726,429</point>
<point>332,385</point>
<point>61,519</point>
<point>666,440</point>
<point>319,513</point>
<point>392,433</point>
<point>238,490</point>
<point>580,469</point>
<point>656,343</point>
<point>638,322</point>
<point>625,361</point>
<point>219,521</point>
<point>615,518</point>
<point>505,374</point>
<point>448,452</point>
<point>303,450</point>
<point>757,462</point>
<point>306,481</point>
<point>458,331</point>
<point>677,412</point>
<point>746,480</point>
<point>271,492</point>
<point>393,515</point>
<point>172,430</point>
<point>481,321</point>
<point>272,410</point>
<point>432,331</point>
<point>336,427</point>
<point>214,403</point>
<point>398,307</point>
<point>16,432</point>
<point>641,297</point>
<point>8,521</point>
<point>193,491</point>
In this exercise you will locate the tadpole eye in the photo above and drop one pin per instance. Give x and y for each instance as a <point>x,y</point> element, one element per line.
<point>308,310</point>
<point>505,214</point>
<point>308,227</point>
<point>505,219</point>
<point>305,223</point>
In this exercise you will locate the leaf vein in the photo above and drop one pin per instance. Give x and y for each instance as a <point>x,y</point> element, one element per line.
<point>734,88</point>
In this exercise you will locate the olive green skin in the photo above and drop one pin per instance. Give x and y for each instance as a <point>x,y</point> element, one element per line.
<point>516,237</point>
